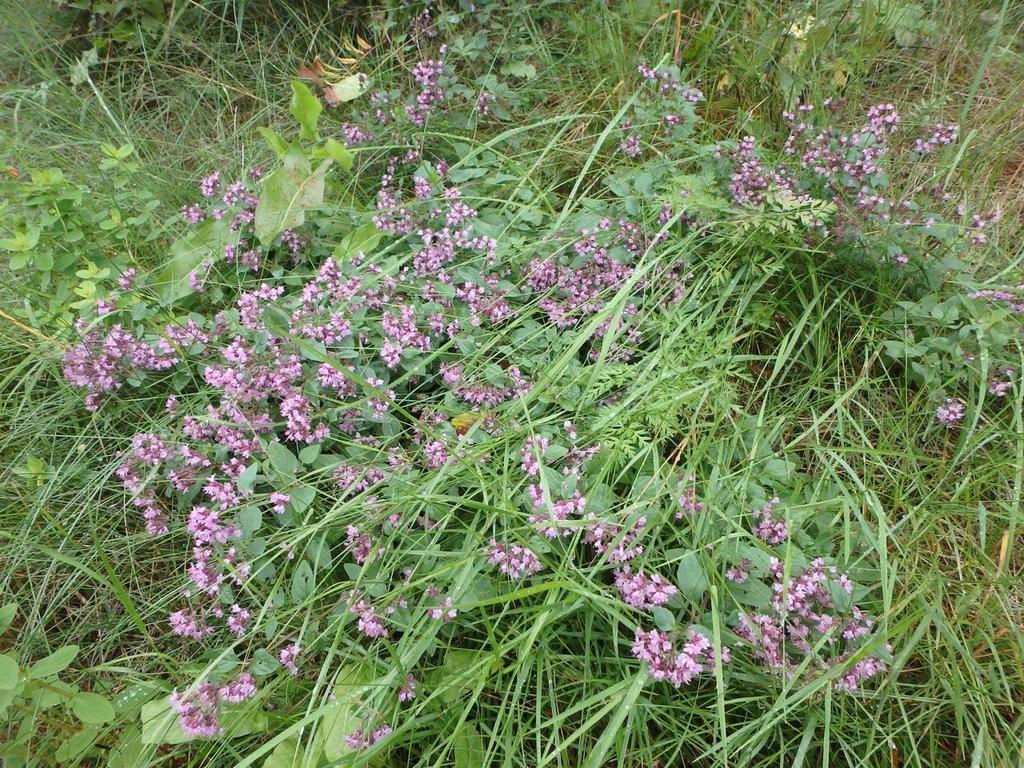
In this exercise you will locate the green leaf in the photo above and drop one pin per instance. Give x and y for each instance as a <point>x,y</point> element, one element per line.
<point>160,723</point>
<point>342,716</point>
<point>302,498</point>
<point>520,69</point>
<point>277,321</point>
<point>285,755</point>
<point>54,663</point>
<point>44,262</point>
<point>349,88</point>
<point>23,240</point>
<point>263,663</point>
<point>77,744</point>
<point>282,459</point>
<point>274,140</point>
<point>204,243</point>
<point>308,454</point>
<point>779,469</point>
<point>306,108</point>
<point>458,664</point>
<point>8,672</point>
<point>247,479</point>
<point>92,708</point>
<point>303,582</point>
<point>287,194</point>
<point>469,747</point>
<point>362,240</point>
<point>250,519</point>
<point>341,154</point>
<point>663,618</point>
<point>690,577</point>
<point>8,611</point>
<point>129,751</point>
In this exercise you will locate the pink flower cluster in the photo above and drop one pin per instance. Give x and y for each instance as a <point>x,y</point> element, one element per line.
<point>547,517</point>
<point>951,412</point>
<point>940,136</point>
<point>771,528</point>
<point>642,591</point>
<point>803,614</point>
<point>198,709</point>
<point>101,361</point>
<point>678,666</point>
<point>364,739</point>
<point>514,561</point>
<point>1002,382</point>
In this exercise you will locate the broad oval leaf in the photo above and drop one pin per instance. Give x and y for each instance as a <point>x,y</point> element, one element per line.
<point>287,194</point>
<point>54,663</point>
<point>349,88</point>
<point>92,708</point>
<point>690,577</point>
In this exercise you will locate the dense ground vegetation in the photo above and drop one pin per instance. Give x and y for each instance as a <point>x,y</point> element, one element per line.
<point>511,384</point>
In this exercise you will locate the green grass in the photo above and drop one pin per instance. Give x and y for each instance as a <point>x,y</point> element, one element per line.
<point>775,355</point>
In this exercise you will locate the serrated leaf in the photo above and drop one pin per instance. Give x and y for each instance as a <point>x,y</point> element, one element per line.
<point>54,663</point>
<point>287,194</point>
<point>520,69</point>
<point>306,108</point>
<point>690,577</point>
<point>92,708</point>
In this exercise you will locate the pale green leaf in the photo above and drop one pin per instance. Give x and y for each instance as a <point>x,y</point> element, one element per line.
<point>287,194</point>
<point>8,611</point>
<point>342,716</point>
<point>282,459</point>
<point>8,672</point>
<point>690,577</point>
<point>54,663</point>
<point>285,755</point>
<point>306,108</point>
<point>205,243</point>
<point>469,747</point>
<point>349,88</point>
<point>92,708</point>
<point>341,154</point>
